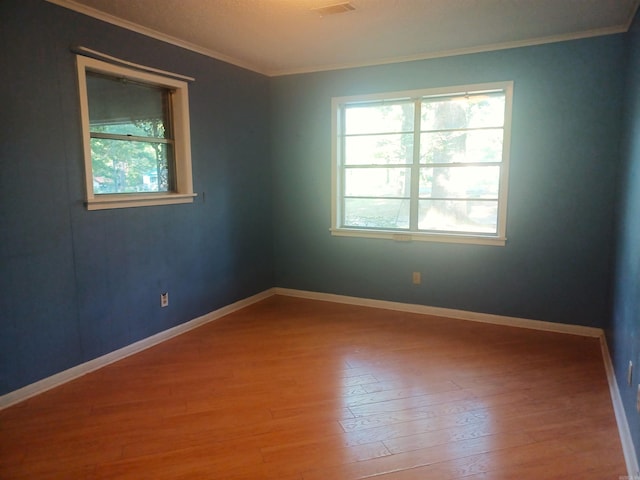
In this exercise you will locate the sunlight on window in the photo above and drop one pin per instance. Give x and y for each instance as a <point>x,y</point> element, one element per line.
<point>130,141</point>
<point>136,135</point>
<point>433,163</point>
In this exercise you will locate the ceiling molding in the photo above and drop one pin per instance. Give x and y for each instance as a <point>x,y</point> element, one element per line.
<point>119,22</point>
<point>100,15</point>
<point>461,51</point>
<point>632,14</point>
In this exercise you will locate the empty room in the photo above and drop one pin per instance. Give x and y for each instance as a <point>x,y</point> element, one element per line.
<point>314,239</point>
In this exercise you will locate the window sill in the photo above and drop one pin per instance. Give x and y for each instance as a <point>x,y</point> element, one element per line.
<point>419,236</point>
<point>104,202</point>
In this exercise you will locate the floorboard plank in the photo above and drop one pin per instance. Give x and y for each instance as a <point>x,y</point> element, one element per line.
<point>295,389</point>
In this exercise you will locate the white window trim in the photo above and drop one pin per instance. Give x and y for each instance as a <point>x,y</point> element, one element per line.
<point>498,239</point>
<point>181,129</point>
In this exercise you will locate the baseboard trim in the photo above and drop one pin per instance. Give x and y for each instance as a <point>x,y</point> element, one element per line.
<point>628,448</point>
<point>618,408</point>
<point>446,312</point>
<point>72,373</point>
<point>65,376</point>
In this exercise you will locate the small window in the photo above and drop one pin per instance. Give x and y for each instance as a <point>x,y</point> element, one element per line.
<point>136,136</point>
<point>423,165</point>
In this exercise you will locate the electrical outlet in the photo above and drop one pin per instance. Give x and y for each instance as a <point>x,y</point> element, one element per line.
<point>630,373</point>
<point>417,278</point>
<point>164,299</point>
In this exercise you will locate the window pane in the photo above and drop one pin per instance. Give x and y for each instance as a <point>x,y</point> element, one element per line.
<point>458,216</point>
<point>123,107</point>
<point>379,149</point>
<point>473,111</point>
<point>461,146</point>
<point>377,182</point>
<point>377,118</point>
<point>460,182</point>
<point>128,167</point>
<point>376,213</point>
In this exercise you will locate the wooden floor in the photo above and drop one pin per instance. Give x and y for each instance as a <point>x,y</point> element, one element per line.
<point>298,389</point>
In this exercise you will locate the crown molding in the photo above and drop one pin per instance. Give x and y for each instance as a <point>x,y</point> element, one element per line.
<point>457,52</point>
<point>270,72</point>
<point>149,32</point>
<point>632,14</point>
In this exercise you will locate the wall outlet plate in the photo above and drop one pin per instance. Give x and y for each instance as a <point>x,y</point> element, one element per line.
<point>630,373</point>
<point>164,299</point>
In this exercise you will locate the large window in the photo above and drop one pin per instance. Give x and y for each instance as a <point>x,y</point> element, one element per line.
<point>136,136</point>
<point>423,165</point>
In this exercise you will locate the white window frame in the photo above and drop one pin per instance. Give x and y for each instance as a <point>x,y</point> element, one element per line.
<point>406,235</point>
<point>183,183</point>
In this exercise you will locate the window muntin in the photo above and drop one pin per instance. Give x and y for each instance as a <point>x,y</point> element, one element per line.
<point>427,165</point>
<point>136,136</point>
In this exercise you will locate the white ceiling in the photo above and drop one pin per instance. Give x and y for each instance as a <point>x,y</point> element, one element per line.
<point>277,37</point>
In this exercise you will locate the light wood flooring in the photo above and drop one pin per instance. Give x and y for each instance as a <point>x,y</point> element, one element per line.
<point>294,389</point>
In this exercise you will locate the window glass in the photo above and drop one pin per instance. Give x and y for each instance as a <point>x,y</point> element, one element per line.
<point>377,213</point>
<point>128,122</point>
<point>379,118</point>
<point>460,182</point>
<point>462,146</point>
<point>121,106</point>
<point>379,149</point>
<point>377,182</point>
<point>444,174</point>
<point>129,166</point>
<point>459,216</point>
<point>136,136</point>
<point>463,111</point>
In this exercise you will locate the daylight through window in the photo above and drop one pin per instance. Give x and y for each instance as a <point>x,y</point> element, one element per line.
<point>136,132</point>
<point>423,165</point>
<point>131,138</point>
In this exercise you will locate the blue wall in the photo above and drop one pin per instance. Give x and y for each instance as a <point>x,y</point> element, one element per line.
<point>623,332</point>
<point>76,284</point>
<point>557,263</point>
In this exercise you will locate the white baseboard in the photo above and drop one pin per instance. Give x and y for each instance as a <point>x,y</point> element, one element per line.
<point>65,376</point>
<point>82,369</point>
<point>621,418</point>
<point>628,448</point>
<point>446,312</point>
<point>53,381</point>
